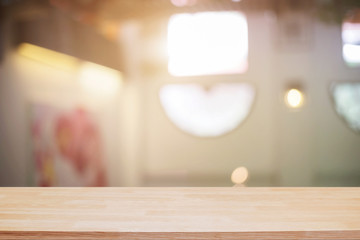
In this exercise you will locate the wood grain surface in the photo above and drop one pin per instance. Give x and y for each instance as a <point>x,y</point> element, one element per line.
<point>179,213</point>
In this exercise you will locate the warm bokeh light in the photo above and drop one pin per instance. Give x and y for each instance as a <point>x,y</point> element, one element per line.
<point>207,113</point>
<point>110,30</point>
<point>49,57</point>
<point>294,98</point>
<point>99,80</point>
<point>207,43</point>
<point>239,175</point>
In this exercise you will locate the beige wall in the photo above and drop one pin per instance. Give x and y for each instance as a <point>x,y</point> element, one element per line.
<point>312,146</point>
<point>279,147</point>
<point>25,82</point>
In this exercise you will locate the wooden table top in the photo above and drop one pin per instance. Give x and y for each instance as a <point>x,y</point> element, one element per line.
<point>179,213</point>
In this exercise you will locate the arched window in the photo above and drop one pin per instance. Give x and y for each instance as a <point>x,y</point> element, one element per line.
<point>207,112</point>
<point>347,103</point>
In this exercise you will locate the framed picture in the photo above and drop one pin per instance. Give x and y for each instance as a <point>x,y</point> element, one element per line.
<point>67,146</point>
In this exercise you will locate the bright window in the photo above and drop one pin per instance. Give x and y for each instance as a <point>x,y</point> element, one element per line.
<point>207,43</point>
<point>207,112</point>
<point>351,40</point>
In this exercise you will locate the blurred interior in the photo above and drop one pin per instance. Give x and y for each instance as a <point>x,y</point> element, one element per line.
<point>179,93</point>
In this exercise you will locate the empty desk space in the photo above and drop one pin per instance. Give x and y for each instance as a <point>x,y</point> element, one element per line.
<point>179,213</point>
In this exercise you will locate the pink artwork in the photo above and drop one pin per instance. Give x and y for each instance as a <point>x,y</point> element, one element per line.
<point>67,148</point>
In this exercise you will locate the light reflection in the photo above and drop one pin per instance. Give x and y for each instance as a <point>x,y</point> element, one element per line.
<point>207,113</point>
<point>52,58</point>
<point>207,43</point>
<point>94,79</point>
<point>100,80</point>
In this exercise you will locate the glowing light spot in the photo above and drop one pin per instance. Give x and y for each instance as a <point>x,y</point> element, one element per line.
<point>55,59</point>
<point>207,43</point>
<point>99,80</point>
<point>294,98</point>
<point>109,29</point>
<point>239,175</point>
<point>207,113</point>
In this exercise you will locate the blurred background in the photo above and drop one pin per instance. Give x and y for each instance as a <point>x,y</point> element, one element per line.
<point>179,93</point>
